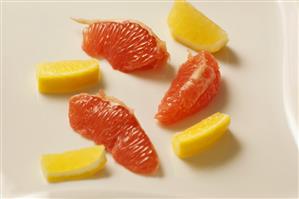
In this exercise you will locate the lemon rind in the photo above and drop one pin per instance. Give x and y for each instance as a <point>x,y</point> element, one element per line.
<point>204,138</point>
<point>80,173</point>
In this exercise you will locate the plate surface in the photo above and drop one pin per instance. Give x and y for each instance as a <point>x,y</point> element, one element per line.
<point>258,157</point>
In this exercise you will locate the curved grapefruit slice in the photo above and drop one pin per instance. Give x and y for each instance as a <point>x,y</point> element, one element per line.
<point>194,86</point>
<point>107,121</point>
<point>127,45</point>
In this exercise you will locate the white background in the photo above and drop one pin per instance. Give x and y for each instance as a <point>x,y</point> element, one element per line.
<point>258,157</point>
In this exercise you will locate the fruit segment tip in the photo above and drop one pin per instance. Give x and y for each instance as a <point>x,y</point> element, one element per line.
<point>84,21</point>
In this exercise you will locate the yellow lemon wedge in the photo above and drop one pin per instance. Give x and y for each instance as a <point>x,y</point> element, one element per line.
<point>193,29</point>
<point>67,76</point>
<point>200,136</point>
<point>76,164</point>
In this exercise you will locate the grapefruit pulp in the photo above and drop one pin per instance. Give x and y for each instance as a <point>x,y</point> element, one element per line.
<point>107,121</point>
<point>194,86</point>
<point>127,45</point>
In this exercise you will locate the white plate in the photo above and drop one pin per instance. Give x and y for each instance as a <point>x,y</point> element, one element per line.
<point>257,158</point>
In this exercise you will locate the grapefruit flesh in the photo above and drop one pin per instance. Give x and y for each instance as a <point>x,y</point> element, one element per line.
<point>127,45</point>
<point>108,121</point>
<point>194,86</point>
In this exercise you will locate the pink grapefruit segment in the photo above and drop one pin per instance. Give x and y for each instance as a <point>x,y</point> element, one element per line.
<point>127,45</point>
<point>195,85</point>
<point>108,121</point>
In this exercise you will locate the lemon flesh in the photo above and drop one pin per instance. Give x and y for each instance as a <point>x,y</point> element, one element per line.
<point>193,29</point>
<point>200,136</point>
<point>76,164</point>
<point>67,76</point>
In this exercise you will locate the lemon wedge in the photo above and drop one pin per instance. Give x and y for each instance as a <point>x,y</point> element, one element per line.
<point>193,29</point>
<point>67,76</point>
<point>200,136</point>
<point>76,164</point>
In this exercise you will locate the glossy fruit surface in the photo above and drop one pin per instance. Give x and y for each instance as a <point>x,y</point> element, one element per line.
<point>107,121</point>
<point>194,86</point>
<point>127,45</point>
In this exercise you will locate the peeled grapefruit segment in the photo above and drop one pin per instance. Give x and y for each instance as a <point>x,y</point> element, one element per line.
<point>194,86</point>
<point>127,45</point>
<point>107,121</point>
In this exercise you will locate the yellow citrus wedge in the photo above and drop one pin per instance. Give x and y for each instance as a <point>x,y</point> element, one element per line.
<point>193,29</point>
<point>76,164</point>
<point>200,136</point>
<point>67,76</point>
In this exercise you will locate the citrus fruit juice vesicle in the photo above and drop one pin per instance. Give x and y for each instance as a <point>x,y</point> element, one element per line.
<point>76,164</point>
<point>200,136</point>
<point>194,86</point>
<point>127,45</point>
<point>193,29</point>
<point>67,76</point>
<point>107,121</point>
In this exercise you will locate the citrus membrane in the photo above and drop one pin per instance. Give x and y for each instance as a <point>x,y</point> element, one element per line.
<point>193,88</point>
